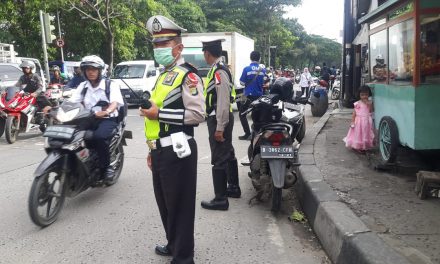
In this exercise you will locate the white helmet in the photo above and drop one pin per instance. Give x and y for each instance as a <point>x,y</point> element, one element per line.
<point>27,64</point>
<point>93,61</point>
<point>317,68</point>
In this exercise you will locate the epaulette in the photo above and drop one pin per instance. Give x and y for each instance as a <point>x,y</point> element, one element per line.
<point>190,67</point>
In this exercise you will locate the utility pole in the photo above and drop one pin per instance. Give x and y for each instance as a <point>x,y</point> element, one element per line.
<point>269,53</point>
<point>43,42</point>
<point>59,35</point>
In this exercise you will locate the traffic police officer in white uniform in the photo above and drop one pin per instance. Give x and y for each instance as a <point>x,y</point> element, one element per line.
<point>219,95</point>
<point>177,107</point>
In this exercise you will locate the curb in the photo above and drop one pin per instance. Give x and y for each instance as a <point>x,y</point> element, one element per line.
<point>343,235</point>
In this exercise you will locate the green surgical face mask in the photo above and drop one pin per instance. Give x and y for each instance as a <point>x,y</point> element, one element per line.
<point>164,56</point>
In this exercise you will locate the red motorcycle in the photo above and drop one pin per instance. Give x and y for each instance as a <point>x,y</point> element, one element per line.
<point>19,114</point>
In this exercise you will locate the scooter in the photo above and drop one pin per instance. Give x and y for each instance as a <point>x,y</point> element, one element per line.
<point>19,114</point>
<point>319,98</point>
<point>335,90</point>
<point>71,164</point>
<point>273,152</point>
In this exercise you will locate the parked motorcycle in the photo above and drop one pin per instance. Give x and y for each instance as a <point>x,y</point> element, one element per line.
<point>335,90</point>
<point>19,114</point>
<point>71,164</point>
<point>273,152</point>
<point>319,98</point>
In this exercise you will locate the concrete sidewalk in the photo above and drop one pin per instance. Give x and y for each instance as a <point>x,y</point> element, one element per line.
<point>361,215</point>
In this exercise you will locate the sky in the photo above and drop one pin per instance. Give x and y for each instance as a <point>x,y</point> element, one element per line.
<point>320,17</point>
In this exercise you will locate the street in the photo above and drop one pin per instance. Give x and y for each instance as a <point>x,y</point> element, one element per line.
<point>121,224</point>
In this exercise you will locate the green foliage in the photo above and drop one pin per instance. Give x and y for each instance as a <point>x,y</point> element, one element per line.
<point>261,20</point>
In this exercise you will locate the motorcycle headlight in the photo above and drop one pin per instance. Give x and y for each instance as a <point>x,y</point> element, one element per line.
<point>66,116</point>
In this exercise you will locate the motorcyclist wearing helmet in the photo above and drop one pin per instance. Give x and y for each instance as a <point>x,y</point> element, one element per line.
<point>56,78</point>
<point>33,84</point>
<point>317,72</point>
<point>77,77</point>
<point>106,117</point>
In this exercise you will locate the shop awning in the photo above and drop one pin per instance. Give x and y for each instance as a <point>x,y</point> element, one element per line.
<point>362,36</point>
<point>368,17</point>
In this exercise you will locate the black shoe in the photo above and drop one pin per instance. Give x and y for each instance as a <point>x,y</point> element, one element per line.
<point>162,250</point>
<point>109,175</point>
<point>245,137</point>
<point>233,191</point>
<point>221,204</point>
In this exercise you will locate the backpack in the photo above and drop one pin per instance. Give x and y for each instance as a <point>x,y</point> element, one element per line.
<point>122,110</point>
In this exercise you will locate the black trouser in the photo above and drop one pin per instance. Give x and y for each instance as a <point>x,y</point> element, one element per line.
<point>243,106</point>
<point>101,139</point>
<point>221,152</point>
<point>42,102</point>
<point>174,182</point>
<point>306,89</point>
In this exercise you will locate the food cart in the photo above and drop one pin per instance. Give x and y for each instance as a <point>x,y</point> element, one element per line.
<point>404,73</point>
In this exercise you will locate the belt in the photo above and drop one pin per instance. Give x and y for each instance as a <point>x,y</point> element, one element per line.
<point>162,142</point>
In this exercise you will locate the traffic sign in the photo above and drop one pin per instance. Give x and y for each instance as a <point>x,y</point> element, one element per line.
<point>60,43</point>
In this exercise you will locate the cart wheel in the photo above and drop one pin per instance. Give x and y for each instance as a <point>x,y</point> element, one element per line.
<point>388,139</point>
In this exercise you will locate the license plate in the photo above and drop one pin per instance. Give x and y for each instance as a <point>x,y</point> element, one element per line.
<point>272,152</point>
<point>127,96</point>
<point>63,132</point>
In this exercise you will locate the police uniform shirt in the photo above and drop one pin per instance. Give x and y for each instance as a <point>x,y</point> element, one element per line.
<point>193,101</point>
<point>253,87</point>
<point>223,89</point>
<point>94,95</point>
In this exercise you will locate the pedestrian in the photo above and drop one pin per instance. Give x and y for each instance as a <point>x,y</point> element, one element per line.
<point>304,82</point>
<point>177,106</point>
<point>252,79</point>
<point>360,135</point>
<point>219,94</point>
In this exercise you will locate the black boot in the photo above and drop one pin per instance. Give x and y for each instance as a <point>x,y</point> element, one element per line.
<point>233,189</point>
<point>220,202</point>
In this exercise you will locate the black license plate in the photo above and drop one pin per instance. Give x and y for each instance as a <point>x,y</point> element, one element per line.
<point>273,152</point>
<point>63,132</point>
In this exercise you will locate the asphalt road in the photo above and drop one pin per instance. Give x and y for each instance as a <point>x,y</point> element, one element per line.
<point>121,224</point>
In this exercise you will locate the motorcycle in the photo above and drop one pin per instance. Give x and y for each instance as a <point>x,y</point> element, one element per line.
<point>54,93</point>
<point>319,98</point>
<point>71,164</point>
<point>335,90</point>
<point>19,114</point>
<point>273,153</point>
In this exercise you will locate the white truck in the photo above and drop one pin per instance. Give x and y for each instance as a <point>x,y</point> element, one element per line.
<point>236,47</point>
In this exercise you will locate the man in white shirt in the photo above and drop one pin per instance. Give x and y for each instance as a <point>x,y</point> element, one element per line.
<point>89,93</point>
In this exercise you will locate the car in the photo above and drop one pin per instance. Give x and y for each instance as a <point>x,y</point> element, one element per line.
<point>9,74</point>
<point>135,79</point>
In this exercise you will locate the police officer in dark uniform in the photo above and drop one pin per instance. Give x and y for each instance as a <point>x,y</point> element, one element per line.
<point>219,94</point>
<point>177,107</point>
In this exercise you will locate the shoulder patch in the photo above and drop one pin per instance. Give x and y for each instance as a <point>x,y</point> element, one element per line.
<point>218,79</point>
<point>191,80</point>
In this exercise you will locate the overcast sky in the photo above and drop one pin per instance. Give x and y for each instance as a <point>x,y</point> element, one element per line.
<point>320,17</point>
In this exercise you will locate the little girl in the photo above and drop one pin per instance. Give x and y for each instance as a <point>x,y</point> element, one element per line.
<point>361,135</point>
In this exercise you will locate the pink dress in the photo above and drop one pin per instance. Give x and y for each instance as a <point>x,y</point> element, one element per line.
<point>361,137</point>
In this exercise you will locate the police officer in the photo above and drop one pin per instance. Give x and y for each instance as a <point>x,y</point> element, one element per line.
<point>219,94</point>
<point>177,106</point>
<point>90,93</point>
<point>252,78</point>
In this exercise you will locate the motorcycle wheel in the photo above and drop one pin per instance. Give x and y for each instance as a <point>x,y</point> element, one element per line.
<point>47,197</point>
<point>276,199</point>
<point>302,130</point>
<point>335,94</point>
<point>11,129</point>
<point>2,126</point>
<point>118,166</point>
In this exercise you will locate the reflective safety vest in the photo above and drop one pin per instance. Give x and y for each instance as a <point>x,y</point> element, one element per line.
<point>211,94</point>
<point>167,93</point>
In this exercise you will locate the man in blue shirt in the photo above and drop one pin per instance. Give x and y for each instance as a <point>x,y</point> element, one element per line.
<point>252,79</point>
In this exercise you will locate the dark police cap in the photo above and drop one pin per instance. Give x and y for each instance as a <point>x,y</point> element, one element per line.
<point>209,43</point>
